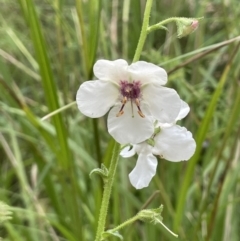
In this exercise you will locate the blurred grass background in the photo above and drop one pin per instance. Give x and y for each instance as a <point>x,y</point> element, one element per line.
<point>47,49</point>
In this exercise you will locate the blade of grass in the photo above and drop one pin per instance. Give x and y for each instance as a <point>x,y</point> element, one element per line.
<point>64,156</point>
<point>88,45</point>
<point>19,65</point>
<point>214,210</point>
<point>200,137</point>
<point>22,48</point>
<point>228,131</point>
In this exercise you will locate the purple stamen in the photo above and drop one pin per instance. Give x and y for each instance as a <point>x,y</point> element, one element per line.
<point>130,91</point>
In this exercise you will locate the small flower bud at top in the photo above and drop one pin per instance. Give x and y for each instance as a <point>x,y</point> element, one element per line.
<point>185,26</point>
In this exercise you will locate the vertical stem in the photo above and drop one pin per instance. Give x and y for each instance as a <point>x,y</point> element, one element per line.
<point>116,149</point>
<point>144,32</point>
<point>107,192</point>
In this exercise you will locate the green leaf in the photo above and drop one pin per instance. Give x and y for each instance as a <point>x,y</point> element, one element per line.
<point>200,137</point>
<point>103,172</point>
<point>5,213</point>
<point>47,79</point>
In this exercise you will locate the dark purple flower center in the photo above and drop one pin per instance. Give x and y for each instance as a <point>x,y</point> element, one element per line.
<point>130,92</point>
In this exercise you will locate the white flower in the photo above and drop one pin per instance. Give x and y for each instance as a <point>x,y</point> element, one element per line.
<point>173,143</point>
<point>136,94</point>
<point>146,165</point>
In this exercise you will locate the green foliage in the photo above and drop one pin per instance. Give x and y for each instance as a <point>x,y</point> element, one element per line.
<point>5,213</point>
<point>47,49</point>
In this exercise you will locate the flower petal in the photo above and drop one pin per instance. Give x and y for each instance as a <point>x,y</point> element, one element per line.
<point>183,111</point>
<point>143,148</point>
<point>94,98</point>
<point>127,152</point>
<point>111,70</point>
<point>164,103</point>
<point>174,143</point>
<point>147,73</point>
<point>144,170</point>
<point>130,127</point>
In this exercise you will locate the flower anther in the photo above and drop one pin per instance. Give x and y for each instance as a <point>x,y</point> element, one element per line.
<point>130,92</point>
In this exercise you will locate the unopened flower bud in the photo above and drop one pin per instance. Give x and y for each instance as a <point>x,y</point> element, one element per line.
<point>151,215</point>
<point>185,26</point>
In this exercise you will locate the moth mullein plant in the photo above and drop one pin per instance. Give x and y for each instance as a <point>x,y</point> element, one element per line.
<point>170,141</point>
<point>135,96</point>
<point>142,119</point>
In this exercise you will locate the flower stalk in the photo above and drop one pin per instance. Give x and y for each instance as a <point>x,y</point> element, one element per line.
<point>144,31</point>
<point>161,24</point>
<point>185,26</point>
<point>145,215</point>
<point>107,192</point>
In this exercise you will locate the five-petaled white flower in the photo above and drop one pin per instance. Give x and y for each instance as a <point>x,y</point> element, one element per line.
<point>136,94</point>
<point>173,143</point>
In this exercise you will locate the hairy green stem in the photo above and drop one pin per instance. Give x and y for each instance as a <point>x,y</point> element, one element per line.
<point>107,192</point>
<point>144,31</point>
<point>126,223</point>
<point>162,23</point>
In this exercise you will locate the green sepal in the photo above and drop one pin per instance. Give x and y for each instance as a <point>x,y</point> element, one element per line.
<point>154,216</point>
<point>103,171</point>
<point>185,26</point>
<point>151,215</point>
<point>111,233</point>
<point>157,130</point>
<point>151,142</point>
